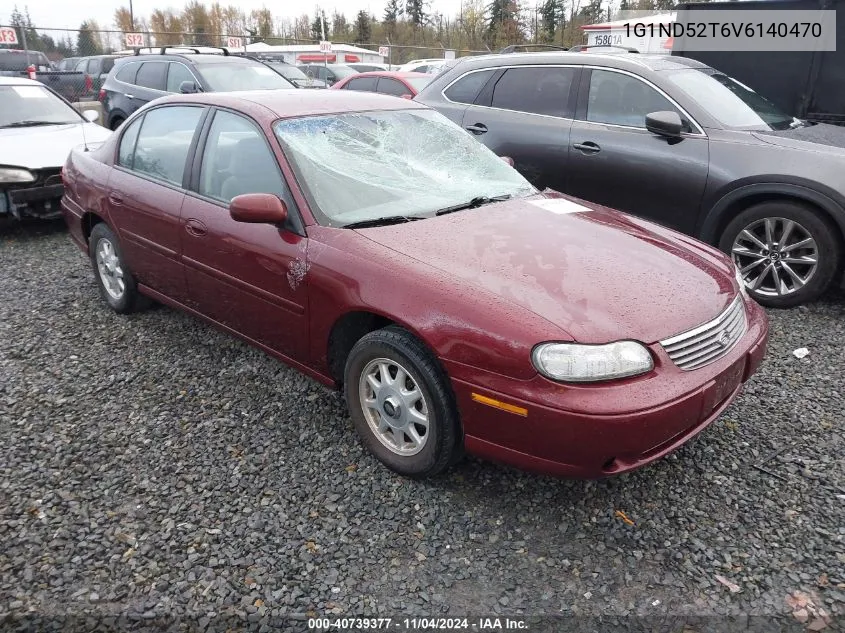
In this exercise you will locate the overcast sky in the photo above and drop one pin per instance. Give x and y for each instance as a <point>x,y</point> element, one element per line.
<point>70,13</point>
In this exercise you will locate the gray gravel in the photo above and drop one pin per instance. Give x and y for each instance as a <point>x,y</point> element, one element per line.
<point>153,467</point>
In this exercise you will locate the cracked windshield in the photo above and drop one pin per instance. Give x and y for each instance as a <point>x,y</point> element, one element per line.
<point>401,163</point>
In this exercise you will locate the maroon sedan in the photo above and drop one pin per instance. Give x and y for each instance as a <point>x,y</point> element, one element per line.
<point>375,246</point>
<point>398,84</point>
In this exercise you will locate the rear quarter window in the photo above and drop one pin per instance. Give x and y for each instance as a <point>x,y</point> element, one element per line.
<point>127,72</point>
<point>466,89</point>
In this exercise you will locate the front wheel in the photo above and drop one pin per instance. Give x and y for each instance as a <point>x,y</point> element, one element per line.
<point>401,403</point>
<point>786,252</point>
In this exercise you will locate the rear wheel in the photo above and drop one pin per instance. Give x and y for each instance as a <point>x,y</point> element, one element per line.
<point>787,253</point>
<point>117,286</point>
<point>116,122</point>
<point>401,403</point>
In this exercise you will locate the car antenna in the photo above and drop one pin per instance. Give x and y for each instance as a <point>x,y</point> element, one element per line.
<point>84,138</point>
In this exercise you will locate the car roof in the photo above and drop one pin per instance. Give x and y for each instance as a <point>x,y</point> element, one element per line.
<point>274,104</point>
<point>201,58</point>
<point>622,60</point>
<point>19,81</point>
<point>401,74</point>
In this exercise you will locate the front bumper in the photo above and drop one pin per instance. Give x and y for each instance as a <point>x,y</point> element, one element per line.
<point>601,430</point>
<point>40,199</point>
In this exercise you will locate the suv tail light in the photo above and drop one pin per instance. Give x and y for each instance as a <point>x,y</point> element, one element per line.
<point>102,95</point>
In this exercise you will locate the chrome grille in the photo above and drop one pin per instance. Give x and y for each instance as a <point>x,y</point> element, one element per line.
<point>708,342</point>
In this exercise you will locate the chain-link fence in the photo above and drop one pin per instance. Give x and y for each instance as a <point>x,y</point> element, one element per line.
<point>63,47</point>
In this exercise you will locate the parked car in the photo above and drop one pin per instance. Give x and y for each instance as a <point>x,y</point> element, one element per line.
<point>95,69</point>
<point>545,332</point>
<point>295,75</point>
<point>68,63</point>
<point>672,140</point>
<point>368,67</point>
<point>389,83</point>
<point>423,66</point>
<point>37,131</point>
<point>15,63</point>
<point>327,73</point>
<point>139,79</point>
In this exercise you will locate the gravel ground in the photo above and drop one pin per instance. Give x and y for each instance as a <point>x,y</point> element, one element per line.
<point>151,466</point>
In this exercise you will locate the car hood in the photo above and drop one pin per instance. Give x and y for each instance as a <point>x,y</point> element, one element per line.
<point>820,137</point>
<point>47,146</point>
<point>596,273</point>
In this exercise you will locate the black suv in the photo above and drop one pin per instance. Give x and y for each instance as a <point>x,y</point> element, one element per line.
<point>141,78</point>
<point>673,140</point>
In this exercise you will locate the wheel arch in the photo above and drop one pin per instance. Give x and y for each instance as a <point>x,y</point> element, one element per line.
<point>745,196</point>
<point>89,221</point>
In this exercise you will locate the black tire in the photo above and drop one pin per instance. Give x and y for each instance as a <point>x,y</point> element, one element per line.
<point>130,299</point>
<point>116,122</point>
<point>813,222</point>
<point>442,446</point>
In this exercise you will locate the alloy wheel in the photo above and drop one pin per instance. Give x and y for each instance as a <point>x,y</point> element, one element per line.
<point>394,406</point>
<point>109,269</point>
<point>775,256</point>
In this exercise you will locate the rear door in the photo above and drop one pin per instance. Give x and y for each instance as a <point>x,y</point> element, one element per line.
<point>146,191</point>
<point>525,112</point>
<point>248,277</point>
<point>150,83</point>
<point>616,162</point>
<point>461,93</point>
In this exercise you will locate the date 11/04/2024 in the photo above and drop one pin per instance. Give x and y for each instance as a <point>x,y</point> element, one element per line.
<point>418,624</point>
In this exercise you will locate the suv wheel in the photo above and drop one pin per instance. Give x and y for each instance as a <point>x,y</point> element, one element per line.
<point>116,122</point>
<point>786,252</point>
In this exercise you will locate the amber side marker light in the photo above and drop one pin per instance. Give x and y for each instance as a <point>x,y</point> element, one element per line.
<point>498,404</point>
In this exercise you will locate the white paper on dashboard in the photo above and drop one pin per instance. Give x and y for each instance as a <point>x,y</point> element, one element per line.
<point>559,206</point>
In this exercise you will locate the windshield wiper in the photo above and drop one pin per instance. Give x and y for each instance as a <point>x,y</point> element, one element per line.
<point>475,202</point>
<point>34,123</point>
<point>393,219</point>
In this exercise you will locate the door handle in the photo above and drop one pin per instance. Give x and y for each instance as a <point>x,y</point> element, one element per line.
<point>588,147</point>
<point>478,128</point>
<point>115,199</point>
<point>196,228</point>
<point>128,96</point>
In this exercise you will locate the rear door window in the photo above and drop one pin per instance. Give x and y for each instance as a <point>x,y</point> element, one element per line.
<point>164,142</point>
<point>127,73</point>
<point>466,89</point>
<point>367,84</point>
<point>151,75</point>
<point>537,90</point>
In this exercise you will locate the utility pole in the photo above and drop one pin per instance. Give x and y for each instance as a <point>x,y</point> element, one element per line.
<point>131,15</point>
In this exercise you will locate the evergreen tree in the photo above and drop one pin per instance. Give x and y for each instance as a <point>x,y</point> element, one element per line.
<point>363,28</point>
<point>551,14</point>
<point>415,10</point>
<point>86,41</point>
<point>317,26</point>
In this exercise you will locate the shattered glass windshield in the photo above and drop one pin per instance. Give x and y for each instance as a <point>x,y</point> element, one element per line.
<point>400,163</point>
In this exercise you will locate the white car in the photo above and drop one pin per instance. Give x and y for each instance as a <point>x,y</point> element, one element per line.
<point>37,131</point>
<point>423,65</point>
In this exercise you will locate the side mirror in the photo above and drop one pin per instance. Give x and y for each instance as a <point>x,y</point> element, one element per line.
<point>507,159</point>
<point>667,123</point>
<point>258,208</point>
<point>92,116</point>
<point>188,87</point>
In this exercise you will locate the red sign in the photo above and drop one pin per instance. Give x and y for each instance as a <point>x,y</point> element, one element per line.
<point>235,42</point>
<point>325,47</point>
<point>133,40</point>
<point>8,35</point>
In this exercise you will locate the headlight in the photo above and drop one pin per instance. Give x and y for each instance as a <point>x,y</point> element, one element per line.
<point>12,174</point>
<point>570,362</point>
<point>742,288</point>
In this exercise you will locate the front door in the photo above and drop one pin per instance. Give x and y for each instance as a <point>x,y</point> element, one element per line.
<point>248,277</point>
<point>615,161</point>
<point>146,194</point>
